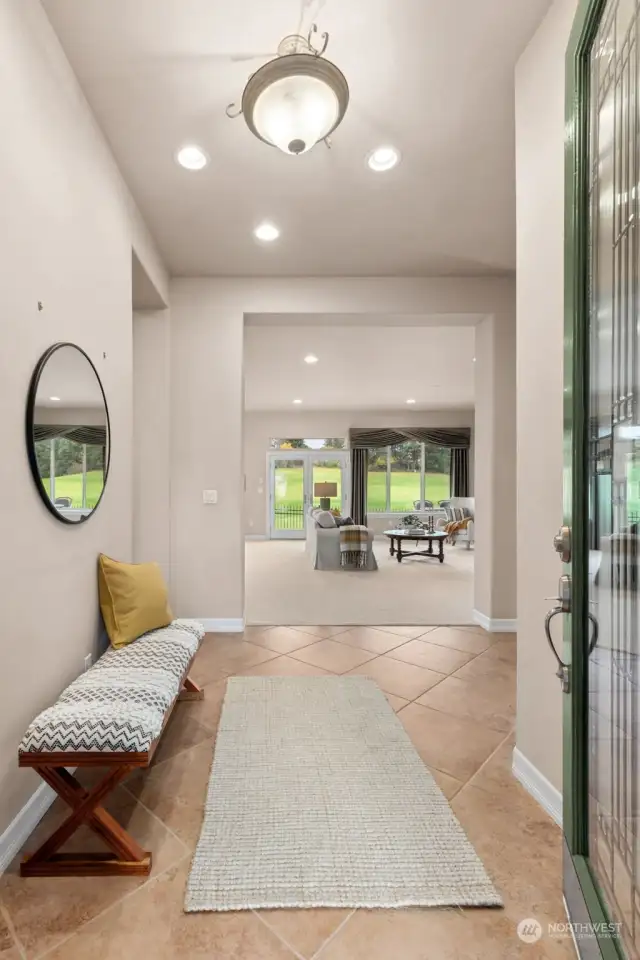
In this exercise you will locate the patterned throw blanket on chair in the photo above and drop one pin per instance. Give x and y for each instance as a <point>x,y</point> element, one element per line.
<point>354,543</point>
<point>454,526</point>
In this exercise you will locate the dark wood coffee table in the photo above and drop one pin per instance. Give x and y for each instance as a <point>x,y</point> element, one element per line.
<point>397,537</point>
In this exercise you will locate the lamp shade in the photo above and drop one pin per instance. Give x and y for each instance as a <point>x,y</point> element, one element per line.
<point>325,489</point>
<point>294,113</point>
<point>295,101</point>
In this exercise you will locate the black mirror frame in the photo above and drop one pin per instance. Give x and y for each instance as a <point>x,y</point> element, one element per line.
<point>31,453</point>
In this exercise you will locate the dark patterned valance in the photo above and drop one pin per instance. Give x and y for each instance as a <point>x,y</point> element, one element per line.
<point>454,437</point>
<point>80,434</point>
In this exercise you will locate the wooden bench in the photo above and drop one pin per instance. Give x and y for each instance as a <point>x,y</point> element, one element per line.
<point>112,716</point>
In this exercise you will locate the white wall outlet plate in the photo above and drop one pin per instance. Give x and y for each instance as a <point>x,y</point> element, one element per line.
<point>88,660</point>
<point>209,496</point>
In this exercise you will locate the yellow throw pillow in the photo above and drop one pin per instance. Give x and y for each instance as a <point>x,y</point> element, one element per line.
<point>133,599</point>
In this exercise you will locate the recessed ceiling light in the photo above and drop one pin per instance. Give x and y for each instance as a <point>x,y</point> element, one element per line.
<point>474,359</point>
<point>383,158</point>
<point>310,358</point>
<point>192,157</point>
<point>297,401</point>
<point>266,232</point>
<point>55,399</point>
<point>410,400</point>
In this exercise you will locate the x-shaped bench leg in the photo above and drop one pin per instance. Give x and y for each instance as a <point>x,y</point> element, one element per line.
<point>127,857</point>
<point>190,690</point>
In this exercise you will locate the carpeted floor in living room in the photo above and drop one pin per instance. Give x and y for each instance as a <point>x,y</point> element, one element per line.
<point>454,691</point>
<point>281,586</point>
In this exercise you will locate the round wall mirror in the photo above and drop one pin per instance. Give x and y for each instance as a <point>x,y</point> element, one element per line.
<point>68,432</point>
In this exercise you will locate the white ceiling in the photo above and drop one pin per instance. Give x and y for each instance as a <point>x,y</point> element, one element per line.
<point>70,377</point>
<point>433,77</point>
<point>359,368</point>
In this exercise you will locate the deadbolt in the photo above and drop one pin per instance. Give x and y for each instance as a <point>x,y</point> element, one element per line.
<point>562,543</point>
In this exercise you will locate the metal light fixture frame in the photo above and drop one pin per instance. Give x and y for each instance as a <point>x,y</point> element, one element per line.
<point>296,56</point>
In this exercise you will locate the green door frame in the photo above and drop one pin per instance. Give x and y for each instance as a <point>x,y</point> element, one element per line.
<point>576,406</point>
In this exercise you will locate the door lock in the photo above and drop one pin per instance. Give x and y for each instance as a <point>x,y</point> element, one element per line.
<point>562,543</point>
<point>563,599</point>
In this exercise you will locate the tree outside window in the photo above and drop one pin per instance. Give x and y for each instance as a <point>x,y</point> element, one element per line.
<point>401,477</point>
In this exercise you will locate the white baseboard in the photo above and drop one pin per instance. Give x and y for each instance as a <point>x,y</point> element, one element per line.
<point>213,625</point>
<point>549,798</point>
<point>256,536</point>
<point>25,822</point>
<point>494,626</point>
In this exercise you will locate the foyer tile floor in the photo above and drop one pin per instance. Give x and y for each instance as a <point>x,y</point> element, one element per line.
<point>454,691</point>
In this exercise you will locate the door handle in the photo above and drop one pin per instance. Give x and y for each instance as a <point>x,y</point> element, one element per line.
<point>594,633</point>
<point>563,673</point>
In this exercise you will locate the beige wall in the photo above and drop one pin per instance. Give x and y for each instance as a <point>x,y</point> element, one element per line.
<point>207,541</point>
<point>207,548</point>
<point>495,466</point>
<point>540,198</point>
<point>259,428</point>
<point>151,439</point>
<point>68,226</point>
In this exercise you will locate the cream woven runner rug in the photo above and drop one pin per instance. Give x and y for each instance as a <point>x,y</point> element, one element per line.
<point>317,798</point>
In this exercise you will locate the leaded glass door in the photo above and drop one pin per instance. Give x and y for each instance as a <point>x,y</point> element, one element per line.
<point>602,487</point>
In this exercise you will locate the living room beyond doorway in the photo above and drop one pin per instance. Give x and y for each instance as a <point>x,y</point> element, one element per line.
<point>323,451</point>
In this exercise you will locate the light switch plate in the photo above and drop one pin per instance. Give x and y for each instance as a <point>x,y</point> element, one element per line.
<point>209,496</point>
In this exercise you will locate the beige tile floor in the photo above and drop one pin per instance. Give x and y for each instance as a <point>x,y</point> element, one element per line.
<point>453,689</point>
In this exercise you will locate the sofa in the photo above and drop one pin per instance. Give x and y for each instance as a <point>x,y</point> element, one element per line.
<point>323,544</point>
<point>458,508</point>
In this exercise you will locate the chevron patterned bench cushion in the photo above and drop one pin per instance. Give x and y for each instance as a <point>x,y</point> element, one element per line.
<point>119,704</point>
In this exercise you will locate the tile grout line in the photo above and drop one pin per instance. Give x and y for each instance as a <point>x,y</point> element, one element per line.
<point>6,916</point>
<point>454,716</point>
<point>333,935</point>
<point>112,906</point>
<point>211,736</point>
<point>156,817</point>
<point>278,935</point>
<point>473,776</point>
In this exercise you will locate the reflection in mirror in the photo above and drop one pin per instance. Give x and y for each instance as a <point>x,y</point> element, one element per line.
<point>68,432</point>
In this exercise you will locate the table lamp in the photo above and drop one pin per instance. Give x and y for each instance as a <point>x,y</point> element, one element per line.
<point>325,491</point>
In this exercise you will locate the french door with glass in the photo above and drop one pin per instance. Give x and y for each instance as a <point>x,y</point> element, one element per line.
<point>293,479</point>
<point>600,667</point>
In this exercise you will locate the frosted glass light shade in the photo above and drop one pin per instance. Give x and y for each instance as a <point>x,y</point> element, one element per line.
<point>294,113</point>
<point>295,101</point>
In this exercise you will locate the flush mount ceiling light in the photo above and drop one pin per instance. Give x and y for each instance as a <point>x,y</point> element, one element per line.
<point>297,401</point>
<point>266,232</point>
<point>311,358</point>
<point>296,99</point>
<point>411,400</point>
<point>383,158</point>
<point>55,399</point>
<point>192,157</point>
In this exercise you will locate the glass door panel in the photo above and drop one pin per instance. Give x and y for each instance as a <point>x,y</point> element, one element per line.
<point>613,474</point>
<point>328,470</point>
<point>287,500</point>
